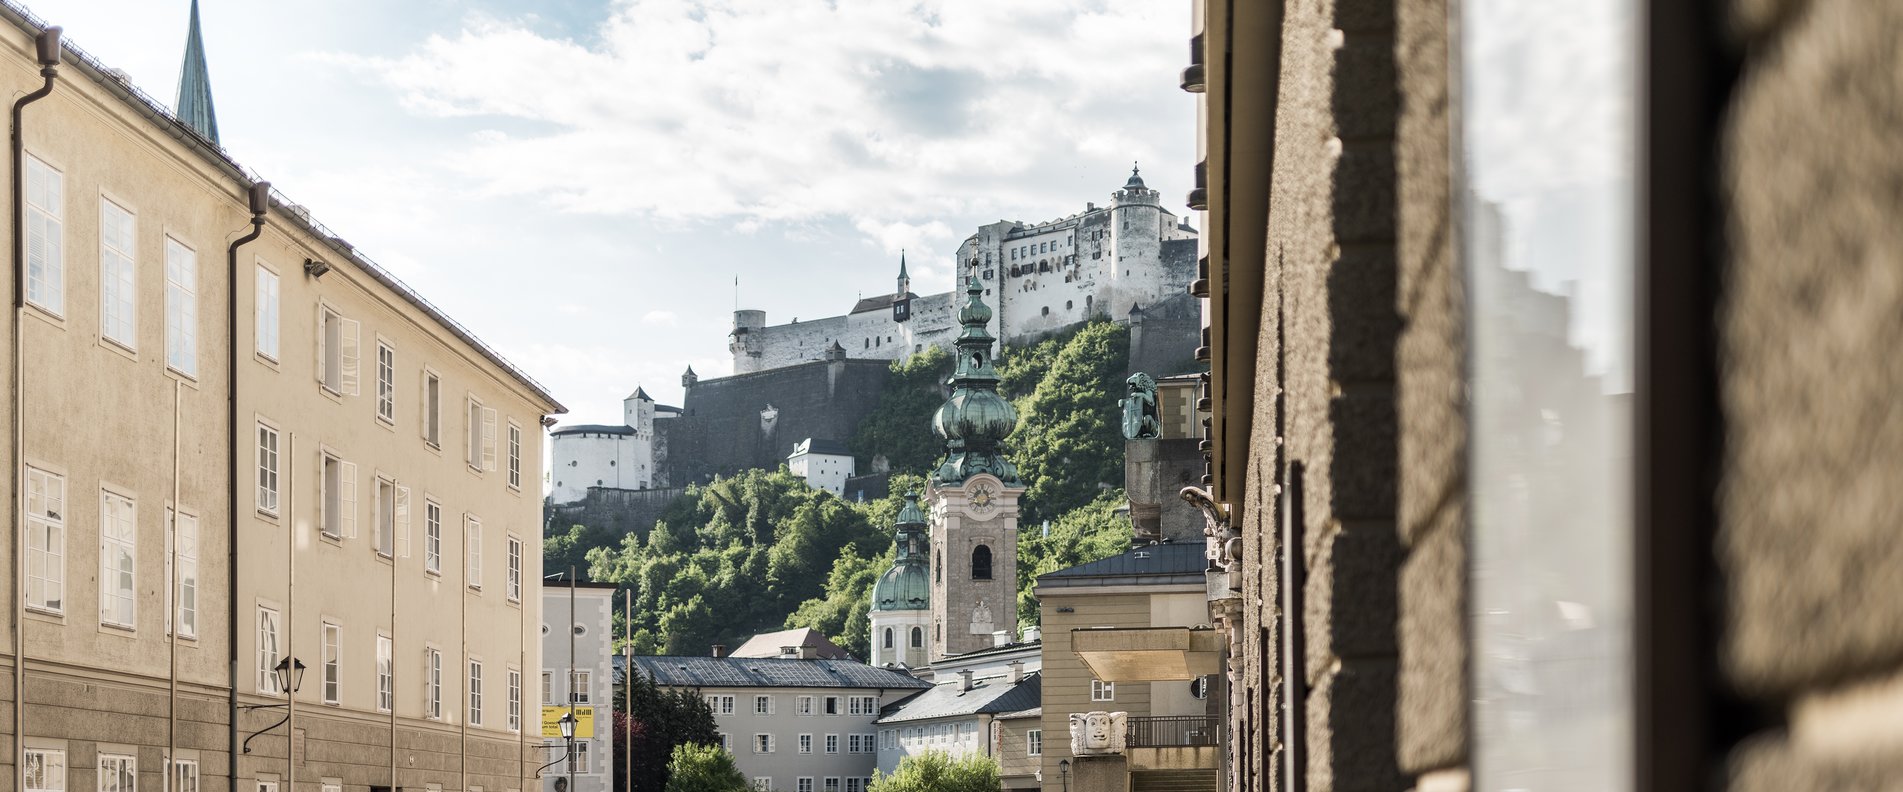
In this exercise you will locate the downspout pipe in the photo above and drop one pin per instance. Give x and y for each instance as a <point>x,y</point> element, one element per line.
<point>47,48</point>
<point>260,205</point>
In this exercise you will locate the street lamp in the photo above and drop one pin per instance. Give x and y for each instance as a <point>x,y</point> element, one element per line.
<point>1063,773</point>
<point>289,674</point>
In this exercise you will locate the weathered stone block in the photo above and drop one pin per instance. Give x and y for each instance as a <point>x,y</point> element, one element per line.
<point>1351,730</point>
<point>1350,599</point>
<point>1363,194</point>
<point>1432,724</point>
<point>1365,96</point>
<point>1363,471</point>
<point>1362,306</point>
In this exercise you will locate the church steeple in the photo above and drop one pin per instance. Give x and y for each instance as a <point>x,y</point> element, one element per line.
<point>902,299</point>
<point>194,85</point>
<point>975,420</point>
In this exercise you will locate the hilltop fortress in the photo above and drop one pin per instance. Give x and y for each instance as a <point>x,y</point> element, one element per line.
<point>1116,261</point>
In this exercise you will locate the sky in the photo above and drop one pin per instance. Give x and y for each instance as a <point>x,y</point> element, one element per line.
<point>581,182</point>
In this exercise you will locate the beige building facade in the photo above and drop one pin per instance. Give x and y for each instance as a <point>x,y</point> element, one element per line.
<point>373,461</point>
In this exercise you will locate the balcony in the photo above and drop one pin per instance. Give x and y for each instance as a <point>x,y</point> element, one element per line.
<point>1173,742</point>
<point>1148,654</point>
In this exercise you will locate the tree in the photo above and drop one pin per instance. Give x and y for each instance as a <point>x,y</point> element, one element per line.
<point>563,550</point>
<point>937,772</point>
<point>1069,442</point>
<point>900,427</point>
<point>696,767</point>
<point>659,722</point>
<point>1098,530</point>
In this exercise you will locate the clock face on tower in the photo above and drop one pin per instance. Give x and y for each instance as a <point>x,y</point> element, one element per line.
<point>981,496</point>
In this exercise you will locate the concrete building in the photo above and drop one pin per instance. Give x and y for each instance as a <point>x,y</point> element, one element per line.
<point>792,723</point>
<point>244,444</point>
<point>1043,277</point>
<point>957,716</point>
<point>615,457</point>
<point>577,645</point>
<point>825,464</point>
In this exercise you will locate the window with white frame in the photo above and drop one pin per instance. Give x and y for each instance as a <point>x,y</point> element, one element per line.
<point>185,574</point>
<point>337,785</point>
<point>806,743</point>
<point>184,775</point>
<point>1103,691</point>
<point>386,516</point>
<point>386,682</point>
<point>581,761</point>
<point>832,785</point>
<point>118,560</point>
<point>482,436</point>
<point>726,742</point>
<point>1034,742</point>
<point>267,469</point>
<point>181,308</point>
<point>118,293</point>
<point>264,311</point>
<point>433,683</point>
<point>268,655</point>
<point>45,236</point>
<point>832,705</point>
<point>118,773</point>
<point>332,646</point>
<point>45,770</point>
<point>472,547</point>
<point>582,681</point>
<point>763,743</point>
<point>267,783</point>
<point>805,705</point>
<point>45,541</point>
<point>763,705</point>
<point>832,743</point>
<point>855,784</point>
<point>762,784</point>
<point>432,537</point>
<point>386,383</point>
<point>803,784</point>
<point>475,692</point>
<point>548,687</point>
<point>852,743</point>
<point>515,569</point>
<point>337,498</point>
<point>432,420</point>
<point>338,351</point>
<point>515,455</point>
<point>515,700</point>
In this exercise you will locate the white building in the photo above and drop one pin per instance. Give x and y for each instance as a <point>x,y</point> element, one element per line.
<point>793,724</point>
<point>576,672</point>
<point>1042,277</point>
<point>955,717</point>
<point>825,464</point>
<point>595,455</point>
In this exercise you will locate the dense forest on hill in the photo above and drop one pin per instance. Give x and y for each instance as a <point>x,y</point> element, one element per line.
<point>763,550</point>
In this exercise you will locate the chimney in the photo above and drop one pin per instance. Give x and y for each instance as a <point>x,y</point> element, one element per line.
<point>964,680</point>
<point>1000,637</point>
<point>720,649</point>
<point>809,653</point>
<point>1032,634</point>
<point>1017,671</point>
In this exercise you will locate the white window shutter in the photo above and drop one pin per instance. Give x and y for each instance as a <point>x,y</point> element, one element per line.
<point>422,409</point>
<point>319,369</point>
<point>488,438</point>
<point>347,500</point>
<point>403,522</point>
<point>171,583</point>
<point>351,356</point>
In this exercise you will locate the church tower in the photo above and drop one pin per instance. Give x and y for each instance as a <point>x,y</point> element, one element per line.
<point>902,299</point>
<point>974,499</point>
<point>194,85</point>
<point>901,601</point>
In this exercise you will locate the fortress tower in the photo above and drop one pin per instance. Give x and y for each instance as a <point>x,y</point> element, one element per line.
<point>974,498</point>
<point>901,600</point>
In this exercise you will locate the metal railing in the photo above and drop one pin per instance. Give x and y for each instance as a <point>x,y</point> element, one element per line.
<point>1174,731</point>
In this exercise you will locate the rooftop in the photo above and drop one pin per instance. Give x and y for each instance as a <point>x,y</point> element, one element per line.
<point>758,672</point>
<point>771,644</point>
<point>818,445</point>
<point>1153,564</point>
<point>592,429</point>
<point>993,695</point>
<point>878,303</point>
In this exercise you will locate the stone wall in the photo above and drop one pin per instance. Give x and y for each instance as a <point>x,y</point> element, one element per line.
<point>725,425</point>
<point>620,510</point>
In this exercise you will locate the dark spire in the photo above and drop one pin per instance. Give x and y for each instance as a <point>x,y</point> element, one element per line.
<point>1136,179</point>
<point>194,85</point>
<point>902,275</point>
<point>975,420</point>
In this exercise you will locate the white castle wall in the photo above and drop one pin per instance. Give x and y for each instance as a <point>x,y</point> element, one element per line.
<point>623,459</point>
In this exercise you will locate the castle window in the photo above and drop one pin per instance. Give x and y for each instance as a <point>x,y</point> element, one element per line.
<point>1067,305</point>
<point>981,563</point>
<point>888,638</point>
<point>918,637</point>
<point>1047,310</point>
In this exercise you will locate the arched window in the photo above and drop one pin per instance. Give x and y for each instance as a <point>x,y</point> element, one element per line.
<point>918,637</point>
<point>888,637</point>
<point>981,563</point>
<point>938,567</point>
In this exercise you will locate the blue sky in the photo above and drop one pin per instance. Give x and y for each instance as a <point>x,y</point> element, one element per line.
<point>580,181</point>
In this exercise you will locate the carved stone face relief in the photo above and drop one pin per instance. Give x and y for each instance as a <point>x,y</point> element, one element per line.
<point>1093,733</point>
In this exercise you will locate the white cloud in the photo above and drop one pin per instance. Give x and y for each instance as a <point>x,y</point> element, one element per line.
<point>790,111</point>
<point>660,319</point>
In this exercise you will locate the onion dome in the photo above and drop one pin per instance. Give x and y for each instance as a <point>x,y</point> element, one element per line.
<point>1136,179</point>
<point>907,585</point>
<point>975,420</point>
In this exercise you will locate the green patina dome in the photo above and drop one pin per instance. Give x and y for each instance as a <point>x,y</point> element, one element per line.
<point>908,584</point>
<point>976,415</point>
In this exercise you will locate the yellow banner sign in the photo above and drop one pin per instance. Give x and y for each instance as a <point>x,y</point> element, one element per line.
<point>552,721</point>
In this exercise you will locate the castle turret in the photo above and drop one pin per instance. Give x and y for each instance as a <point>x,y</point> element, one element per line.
<point>1138,223</point>
<point>746,343</point>
<point>902,299</point>
<point>689,379</point>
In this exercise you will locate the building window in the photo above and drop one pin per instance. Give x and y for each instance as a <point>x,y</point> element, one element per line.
<point>762,784</point>
<point>386,516</point>
<point>515,456</point>
<point>45,541</point>
<point>805,705</point>
<point>918,637</point>
<point>386,383</point>
<point>582,680</point>
<point>337,500</point>
<point>482,436</point>
<point>832,705</point>
<point>804,784</point>
<point>806,743</point>
<point>1034,742</point>
<point>386,683</point>
<point>472,547</point>
<point>118,295</point>
<point>45,770</point>
<point>515,569</point>
<point>515,700</point>
<point>981,563</point>
<point>581,757</point>
<point>118,560</point>
<point>118,773</point>
<point>184,776</point>
<point>548,682</point>
<point>1103,691</point>
<point>432,409</point>
<point>185,537</point>
<point>337,351</point>
<point>267,784</point>
<point>763,705</point>
<point>267,469</point>
<point>264,312</point>
<point>887,640</point>
<point>181,308</point>
<point>475,693</point>
<point>762,743</point>
<point>333,649</point>
<point>45,237</point>
<point>726,742</point>
<point>432,537</point>
<point>832,785</point>
<point>433,684</point>
<point>268,651</point>
<point>832,743</point>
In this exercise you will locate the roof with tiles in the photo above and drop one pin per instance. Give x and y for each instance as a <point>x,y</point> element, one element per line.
<point>756,672</point>
<point>1153,564</point>
<point>990,695</point>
